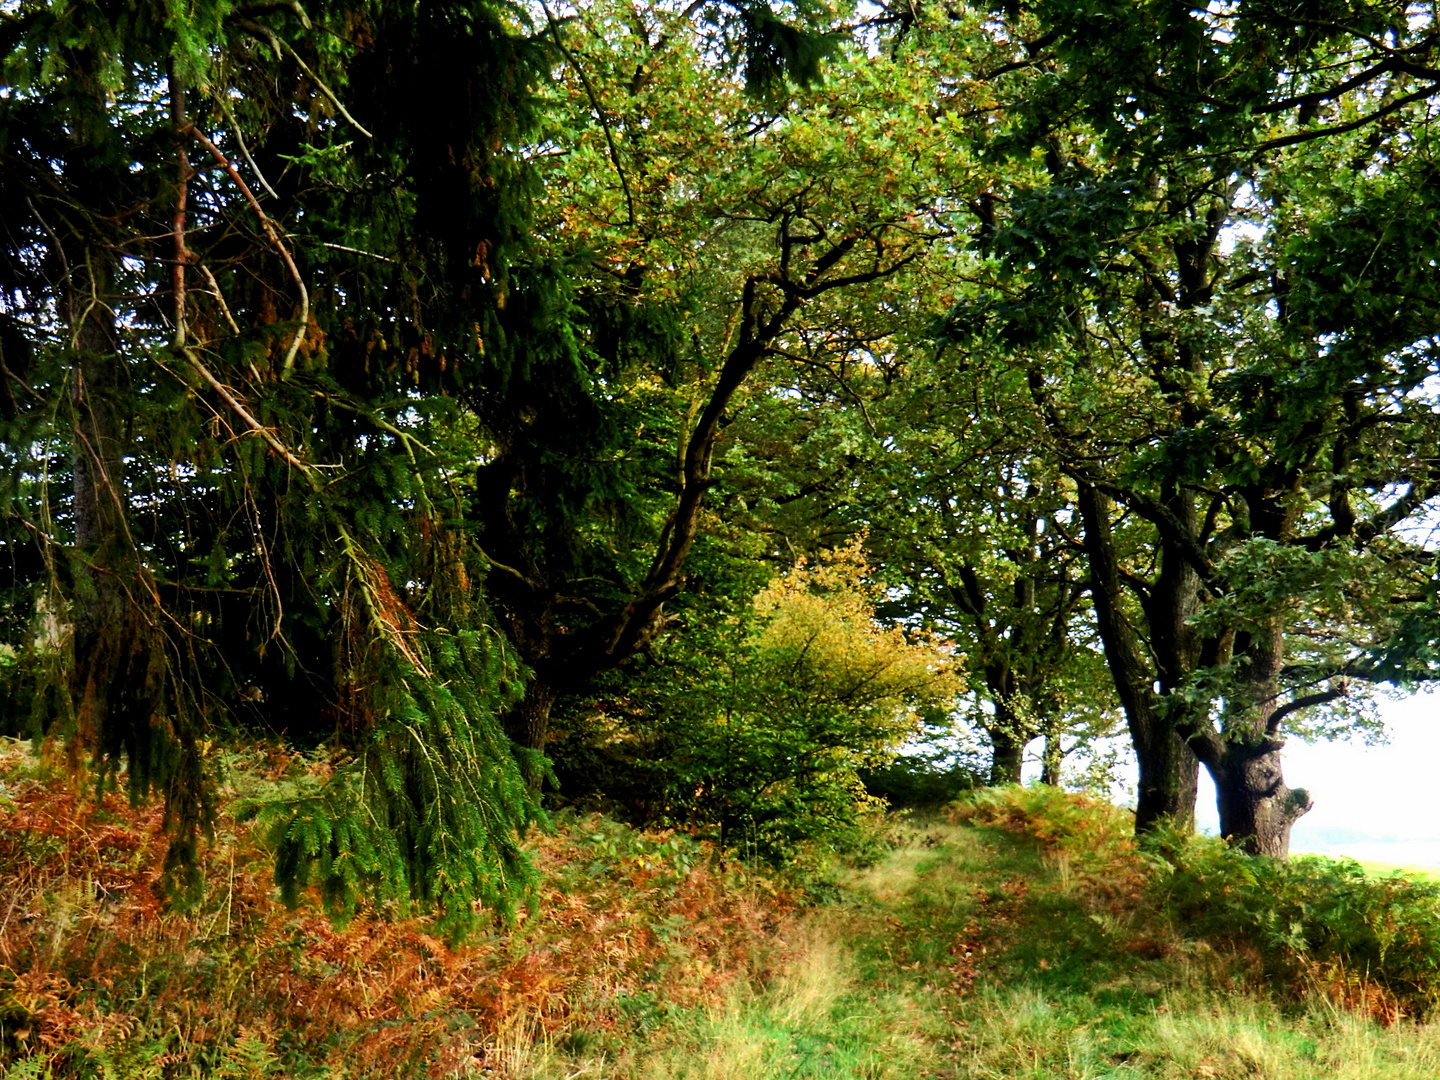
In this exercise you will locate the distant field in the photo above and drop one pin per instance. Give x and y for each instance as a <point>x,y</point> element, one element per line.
<point>1381,867</point>
<point>1382,856</point>
<point>1376,869</point>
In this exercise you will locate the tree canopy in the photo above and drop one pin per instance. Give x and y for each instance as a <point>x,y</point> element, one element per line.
<point>394,432</point>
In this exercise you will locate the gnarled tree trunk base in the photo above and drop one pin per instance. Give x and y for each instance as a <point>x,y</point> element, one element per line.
<point>1257,808</point>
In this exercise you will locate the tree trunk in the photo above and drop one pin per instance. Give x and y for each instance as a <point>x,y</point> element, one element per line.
<point>1009,755</point>
<point>117,629</point>
<point>1169,770</point>
<point>528,726</point>
<point>1169,779</point>
<point>1256,806</point>
<point>111,657</point>
<point>1053,755</point>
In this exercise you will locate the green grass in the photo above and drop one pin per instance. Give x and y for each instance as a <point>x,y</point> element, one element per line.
<point>968,953</point>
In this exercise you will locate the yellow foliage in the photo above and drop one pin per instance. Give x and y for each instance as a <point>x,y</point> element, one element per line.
<point>818,637</point>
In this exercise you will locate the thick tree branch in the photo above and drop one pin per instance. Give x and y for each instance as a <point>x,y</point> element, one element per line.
<point>1382,521</point>
<point>1159,515</point>
<point>271,439</point>
<point>1321,698</point>
<point>1354,125</point>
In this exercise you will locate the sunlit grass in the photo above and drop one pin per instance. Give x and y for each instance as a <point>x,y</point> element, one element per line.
<point>968,955</point>
<point>816,1019</point>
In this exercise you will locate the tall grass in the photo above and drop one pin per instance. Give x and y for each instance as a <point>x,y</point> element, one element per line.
<point>815,1019</point>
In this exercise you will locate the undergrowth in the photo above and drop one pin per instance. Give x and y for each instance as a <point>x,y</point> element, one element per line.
<point>1323,925</point>
<point>97,979</point>
<point>1027,937</point>
<point>1307,925</point>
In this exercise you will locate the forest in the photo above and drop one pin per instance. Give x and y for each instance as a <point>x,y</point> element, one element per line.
<point>436,436</point>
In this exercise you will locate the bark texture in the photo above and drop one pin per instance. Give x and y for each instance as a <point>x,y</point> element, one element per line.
<point>1009,754</point>
<point>1168,783</point>
<point>1169,770</point>
<point>1053,755</point>
<point>1257,808</point>
<point>528,725</point>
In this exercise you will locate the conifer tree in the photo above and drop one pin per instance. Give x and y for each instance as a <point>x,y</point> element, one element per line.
<point>260,317</point>
<point>235,273</point>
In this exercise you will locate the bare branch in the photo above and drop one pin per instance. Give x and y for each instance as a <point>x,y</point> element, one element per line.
<point>244,414</point>
<point>272,232</point>
<point>1295,705</point>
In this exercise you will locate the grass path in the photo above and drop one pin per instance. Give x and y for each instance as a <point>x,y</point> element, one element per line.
<point>969,954</point>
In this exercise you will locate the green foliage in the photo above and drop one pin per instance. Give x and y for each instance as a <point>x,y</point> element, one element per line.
<point>1310,917</point>
<point>811,689</point>
<point>1315,924</point>
<point>332,361</point>
<point>757,726</point>
<point>777,49</point>
<point>912,781</point>
<point>1197,291</point>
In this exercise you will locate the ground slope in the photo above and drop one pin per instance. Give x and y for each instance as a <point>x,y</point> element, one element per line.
<point>1016,939</point>
<point>971,952</point>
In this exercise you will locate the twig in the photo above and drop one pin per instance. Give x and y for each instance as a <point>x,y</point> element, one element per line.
<point>357,251</point>
<point>269,567</point>
<point>244,150</point>
<point>364,569</point>
<point>239,410</point>
<point>406,439</point>
<point>327,92</point>
<point>279,45</point>
<point>272,232</point>
<point>220,299</point>
<point>496,564</point>
<point>59,250</point>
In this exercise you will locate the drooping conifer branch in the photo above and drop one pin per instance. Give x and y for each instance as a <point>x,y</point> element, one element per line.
<point>273,233</point>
